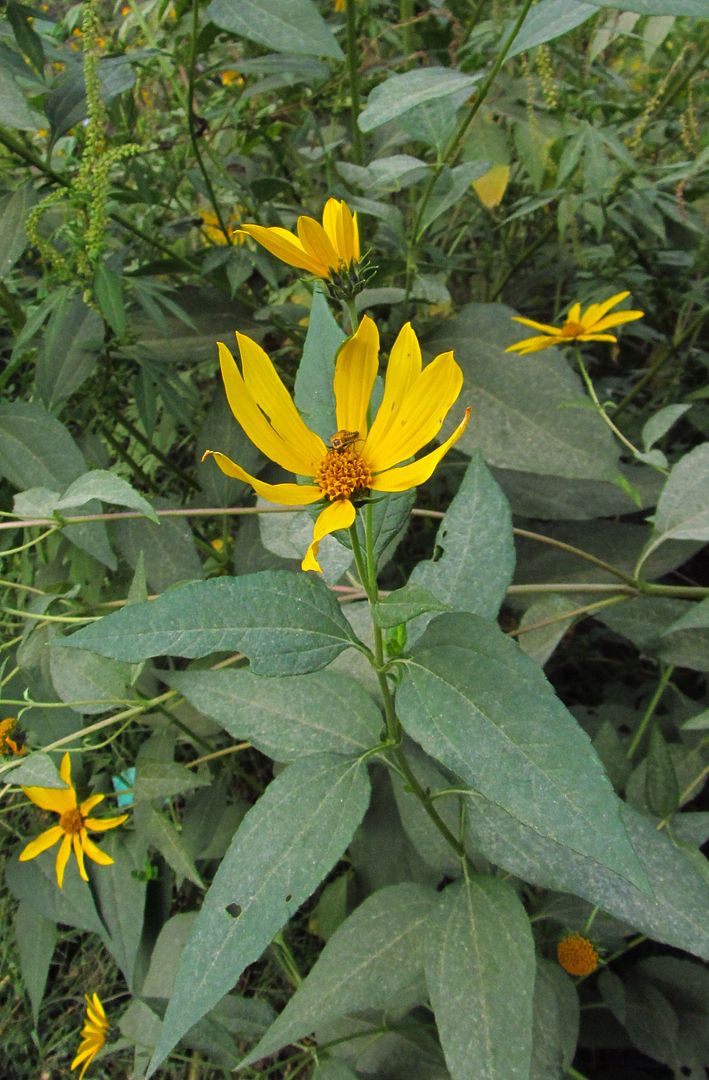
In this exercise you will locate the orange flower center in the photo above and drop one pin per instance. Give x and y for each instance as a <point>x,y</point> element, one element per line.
<point>342,473</point>
<point>577,955</point>
<point>71,821</point>
<point>572,329</point>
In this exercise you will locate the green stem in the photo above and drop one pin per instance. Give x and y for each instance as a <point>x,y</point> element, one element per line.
<point>590,921</point>
<point>406,14</point>
<point>650,711</point>
<point>352,69</point>
<point>192,127</point>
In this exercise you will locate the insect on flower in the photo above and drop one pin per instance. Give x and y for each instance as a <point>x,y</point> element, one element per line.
<point>343,438</point>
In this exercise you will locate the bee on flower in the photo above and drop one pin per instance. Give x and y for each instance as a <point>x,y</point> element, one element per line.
<point>73,826</point>
<point>361,457</point>
<point>93,1034</point>
<point>591,325</point>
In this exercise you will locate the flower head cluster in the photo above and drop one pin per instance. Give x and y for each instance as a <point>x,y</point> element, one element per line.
<point>362,456</point>
<point>329,251</point>
<point>73,826</point>
<point>587,326</point>
<point>577,955</point>
<point>93,1034</point>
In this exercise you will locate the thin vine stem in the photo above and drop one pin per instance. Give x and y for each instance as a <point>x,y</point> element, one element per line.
<point>650,711</point>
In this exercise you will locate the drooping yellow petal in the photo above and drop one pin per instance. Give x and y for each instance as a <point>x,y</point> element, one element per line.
<point>618,319</point>
<point>269,393</point>
<point>355,371</point>
<point>102,824</point>
<point>410,476</point>
<point>79,855</point>
<point>403,369</point>
<point>285,246</point>
<point>88,804</point>
<point>253,421</point>
<point>286,494</point>
<point>421,415</point>
<point>63,859</point>
<point>317,244</point>
<point>546,328</point>
<point>94,852</point>
<point>45,840</point>
<point>337,515</point>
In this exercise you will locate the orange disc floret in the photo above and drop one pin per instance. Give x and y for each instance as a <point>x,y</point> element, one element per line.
<point>577,955</point>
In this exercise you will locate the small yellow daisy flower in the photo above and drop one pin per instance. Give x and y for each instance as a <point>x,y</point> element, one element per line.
<point>322,250</point>
<point>93,1034</point>
<point>589,326</point>
<point>231,78</point>
<point>361,457</point>
<point>577,955</point>
<point>73,825</point>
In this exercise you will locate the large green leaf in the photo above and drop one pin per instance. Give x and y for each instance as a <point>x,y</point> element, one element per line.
<point>36,939</point>
<point>520,419</point>
<point>474,553</point>
<point>373,960</point>
<point>480,970</point>
<point>482,708</point>
<point>167,550</point>
<point>220,431</point>
<point>82,677</point>
<point>121,898</point>
<point>14,109</point>
<point>676,911</point>
<point>284,847</point>
<point>549,19</point>
<point>287,624</point>
<point>14,209</point>
<point>289,717</point>
<point>288,26</point>
<point>685,641</point>
<point>683,509</point>
<point>69,350</point>
<point>35,882</point>
<point>400,93</point>
<point>556,1022</point>
<point>656,7</point>
<point>314,394</point>
<point>108,487</point>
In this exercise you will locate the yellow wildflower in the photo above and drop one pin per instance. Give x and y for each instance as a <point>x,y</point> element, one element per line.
<point>577,955</point>
<point>126,10</point>
<point>361,457</point>
<point>323,250</point>
<point>231,78</point>
<point>213,230</point>
<point>12,740</point>
<point>339,5</point>
<point>588,326</point>
<point>73,825</point>
<point>93,1034</point>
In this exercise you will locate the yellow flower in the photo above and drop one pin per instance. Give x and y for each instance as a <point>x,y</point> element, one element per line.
<point>8,744</point>
<point>72,827</point>
<point>231,77</point>
<point>213,230</point>
<point>338,5</point>
<point>126,10</point>
<point>323,250</point>
<point>93,1034</point>
<point>588,326</point>
<point>361,457</point>
<point>577,955</point>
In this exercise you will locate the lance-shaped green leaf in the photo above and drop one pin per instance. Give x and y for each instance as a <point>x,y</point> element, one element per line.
<point>314,394</point>
<point>548,20</point>
<point>480,971</point>
<point>373,961</point>
<point>405,604</point>
<point>286,624</point>
<point>289,717</point>
<point>36,938</point>
<point>482,708</point>
<point>474,553</point>
<point>556,1022</point>
<point>400,93</point>
<point>121,898</point>
<point>676,911</point>
<point>288,26</point>
<point>284,847</point>
<point>106,486</point>
<point>37,770</point>
<point>683,508</point>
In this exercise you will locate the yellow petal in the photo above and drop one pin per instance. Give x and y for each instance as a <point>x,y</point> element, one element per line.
<point>574,313</point>
<point>86,1055</point>
<point>88,804</point>
<point>544,327</point>
<point>618,319</point>
<point>422,412</point>
<point>63,859</point>
<point>95,1010</point>
<point>337,515</point>
<point>596,337</point>
<point>95,852</point>
<point>403,369</point>
<point>45,840</point>
<point>284,245</point>
<point>254,423</point>
<point>596,311</point>
<point>534,344</point>
<point>79,854</point>
<point>410,476</point>
<point>317,244</point>
<point>285,494</point>
<point>271,396</point>
<point>355,371</point>
<point>341,228</point>
<point>57,799</point>
<point>102,824</point>
<point>492,186</point>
